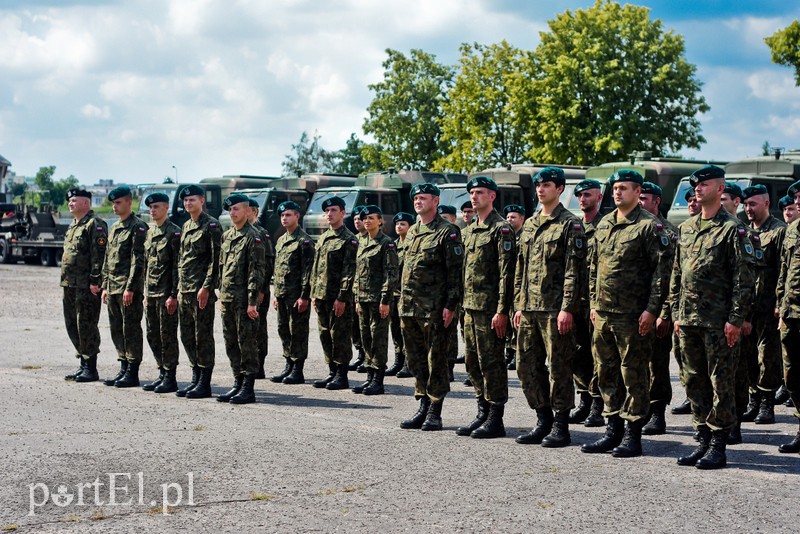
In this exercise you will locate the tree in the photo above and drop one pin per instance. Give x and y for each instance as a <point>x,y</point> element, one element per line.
<point>18,189</point>
<point>404,115</point>
<point>350,159</point>
<point>44,178</point>
<point>766,149</point>
<point>612,82</point>
<point>308,157</point>
<point>785,47</point>
<point>488,111</point>
<point>58,192</point>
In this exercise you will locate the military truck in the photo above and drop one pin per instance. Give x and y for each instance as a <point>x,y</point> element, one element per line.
<point>177,214</point>
<point>33,235</point>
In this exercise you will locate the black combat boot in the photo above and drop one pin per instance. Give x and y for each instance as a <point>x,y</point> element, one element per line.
<point>766,412</point>
<point>260,375</point>
<point>416,420</point>
<point>493,426</point>
<point>359,361</point>
<point>203,388</point>
<point>399,361</point>
<point>631,445</point>
<point>151,386</point>
<point>460,359</point>
<point>296,376</point>
<point>704,438</point>
<point>752,408</point>
<point>283,374</point>
<point>595,417</point>
<point>581,411</point>
<point>714,457</point>
<point>322,382</point>
<point>89,373</point>
<point>451,376</point>
<point>123,366</point>
<point>657,425</point>
<point>433,420</point>
<point>405,372</point>
<point>559,435</point>
<point>191,385</point>
<point>735,436</point>
<point>468,382</point>
<point>168,385</point>
<point>73,376</point>
<point>237,386</point>
<point>791,447</point>
<point>544,424</point>
<point>483,413</point>
<point>684,408</point>
<point>360,388</point>
<point>789,403</point>
<point>376,386</point>
<point>339,380</point>
<point>246,394</point>
<point>511,359</point>
<point>782,395</point>
<point>131,377</point>
<point>611,439</point>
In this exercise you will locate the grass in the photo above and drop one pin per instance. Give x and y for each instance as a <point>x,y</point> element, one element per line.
<point>9,528</point>
<point>199,428</point>
<point>98,516</point>
<point>261,497</point>
<point>31,367</point>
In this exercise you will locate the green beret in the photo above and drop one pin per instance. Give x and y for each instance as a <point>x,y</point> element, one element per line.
<point>794,189</point>
<point>289,205</point>
<point>625,175</point>
<point>753,190</point>
<point>550,174</point>
<point>404,217</point>
<point>371,209</point>
<point>333,201</point>
<point>254,203</point>
<point>513,208</point>
<point>466,205</point>
<point>424,189</point>
<point>357,210</point>
<point>709,172</point>
<point>119,192</point>
<point>481,181</point>
<point>785,201</point>
<point>652,189</point>
<point>447,208</point>
<point>235,198</point>
<point>156,197</point>
<point>733,190</point>
<point>192,190</point>
<point>585,185</point>
<point>689,194</point>
<point>78,193</point>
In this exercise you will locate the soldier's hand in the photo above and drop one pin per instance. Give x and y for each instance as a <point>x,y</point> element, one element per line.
<point>499,324</point>
<point>777,313</point>
<point>260,297</point>
<point>202,298</point>
<point>677,329</point>
<point>517,319</point>
<point>171,305</point>
<point>96,289</point>
<point>275,304</point>
<point>104,296</point>
<point>780,323</point>
<point>127,298</point>
<point>301,305</point>
<point>662,327</point>
<point>646,321</point>
<point>383,309</point>
<point>564,322</point>
<point>252,312</point>
<point>339,307</point>
<point>732,334</point>
<point>592,315</point>
<point>747,328</point>
<point>358,309</point>
<point>447,317</point>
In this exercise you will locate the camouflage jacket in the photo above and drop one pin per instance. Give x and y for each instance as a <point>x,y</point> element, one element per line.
<point>199,264</point>
<point>432,262</point>
<point>490,253</point>
<point>241,260</point>
<point>770,238</point>
<point>401,250</point>
<point>123,269</point>
<point>551,256</point>
<point>672,232</point>
<point>628,268</point>
<point>589,229</point>
<point>376,270</point>
<point>334,265</point>
<point>294,258</point>
<point>712,276</point>
<point>269,258</point>
<point>84,252</point>
<point>162,249</point>
<point>788,291</point>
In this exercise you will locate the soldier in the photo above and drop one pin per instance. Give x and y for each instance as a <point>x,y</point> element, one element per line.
<point>430,294</point>
<point>294,258</point>
<point>123,285</point>
<point>710,292</point>
<point>489,259</point>
<point>162,252</point>
<point>374,287</point>
<point>332,293</point>
<point>198,277</point>
<point>467,214</point>
<point>241,284</point>
<point>448,213</point>
<point>789,209</point>
<point>515,216</point>
<point>628,274</point>
<point>402,222</point>
<point>81,272</point>
<point>264,299</point>
<point>546,297</point>
<point>355,332</point>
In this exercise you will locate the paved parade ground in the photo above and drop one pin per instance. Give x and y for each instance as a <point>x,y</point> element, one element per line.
<point>303,459</point>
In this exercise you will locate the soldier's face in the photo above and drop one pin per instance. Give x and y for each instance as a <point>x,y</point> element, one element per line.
<point>481,198</point>
<point>358,223</point>
<point>548,192</point>
<point>757,207</point>
<point>693,206</point>
<point>515,220</point>
<point>372,222</point>
<point>797,199</point>
<point>193,204</point>
<point>79,204</point>
<point>158,211</point>
<point>290,219</point>
<point>730,203</point>
<point>467,214</point>
<point>425,203</point>
<point>626,194</point>
<point>790,213</point>
<point>649,202</point>
<point>401,227</point>
<point>708,192</point>
<point>589,199</point>
<point>239,213</point>
<point>122,206</point>
<point>449,218</point>
<point>253,214</point>
<point>334,215</point>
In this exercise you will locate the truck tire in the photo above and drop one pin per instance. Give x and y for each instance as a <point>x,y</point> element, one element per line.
<point>5,251</point>
<point>47,257</point>
<point>59,252</point>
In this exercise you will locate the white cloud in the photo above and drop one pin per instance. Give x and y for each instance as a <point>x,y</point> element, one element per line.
<point>95,112</point>
<point>777,88</point>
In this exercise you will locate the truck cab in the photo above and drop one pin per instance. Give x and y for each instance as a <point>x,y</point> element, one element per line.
<point>269,199</point>
<point>177,214</point>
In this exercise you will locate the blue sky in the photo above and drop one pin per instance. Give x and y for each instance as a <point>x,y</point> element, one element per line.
<point>126,89</point>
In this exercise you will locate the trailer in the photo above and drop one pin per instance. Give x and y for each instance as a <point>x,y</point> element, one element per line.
<point>31,235</point>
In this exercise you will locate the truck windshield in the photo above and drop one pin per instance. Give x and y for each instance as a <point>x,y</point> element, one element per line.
<point>321,196</point>
<point>680,195</point>
<point>170,192</point>
<point>453,197</point>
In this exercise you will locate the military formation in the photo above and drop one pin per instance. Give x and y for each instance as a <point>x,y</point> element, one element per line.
<point>593,304</point>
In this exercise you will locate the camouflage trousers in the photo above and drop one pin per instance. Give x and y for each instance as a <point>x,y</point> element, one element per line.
<point>452,342</point>
<point>484,357</point>
<point>790,338</point>
<point>709,366</point>
<point>162,332</point>
<point>660,380</point>
<point>125,323</point>
<point>81,314</point>
<point>335,332</point>
<point>426,345</point>
<point>676,351</point>
<point>762,354</point>
<point>374,335</point>
<point>741,388</point>
<point>397,332</point>
<point>583,369</point>
<point>293,329</point>
<point>355,333</point>
<point>197,329</point>
<point>544,361</point>
<point>262,334</point>
<point>623,365</point>
<point>241,338</point>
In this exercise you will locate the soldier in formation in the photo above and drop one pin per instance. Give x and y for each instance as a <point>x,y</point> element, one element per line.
<point>402,222</point>
<point>264,297</point>
<point>355,329</point>
<point>789,209</point>
<point>515,217</point>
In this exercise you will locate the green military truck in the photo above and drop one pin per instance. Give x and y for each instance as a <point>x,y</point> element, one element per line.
<point>177,214</point>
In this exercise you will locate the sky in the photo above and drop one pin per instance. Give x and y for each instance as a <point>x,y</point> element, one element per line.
<point>139,90</point>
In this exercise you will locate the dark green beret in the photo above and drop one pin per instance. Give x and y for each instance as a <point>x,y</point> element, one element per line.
<point>794,189</point>
<point>192,190</point>
<point>550,174</point>
<point>236,198</point>
<point>404,217</point>
<point>753,190</point>
<point>254,203</point>
<point>625,175</point>
<point>424,189</point>
<point>689,194</point>
<point>785,201</point>
<point>371,209</point>
<point>447,208</point>
<point>156,197</point>
<point>289,205</point>
<point>119,192</point>
<point>481,181</point>
<point>333,201</point>
<point>513,208</point>
<point>466,205</point>
<point>78,193</point>
<point>733,190</point>
<point>652,189</point>
<point>709,172</point>
<point>357,210</point>
<point>585,185</point>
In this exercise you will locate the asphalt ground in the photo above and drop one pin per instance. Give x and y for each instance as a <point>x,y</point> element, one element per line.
<point>308,460</point>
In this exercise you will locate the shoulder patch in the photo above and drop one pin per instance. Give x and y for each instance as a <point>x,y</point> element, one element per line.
<point>748,248</point>
<point>507,246</point>
<point>756,238</point>
<point>391,245</point>
<point>142,229</point>
<point>258,239</point>
<point>676,237</point>
<point>212,225</point>
<point>505,230</point>
<point>742,231</point>
<point>353,242</point>
<point>665,240</point>
<point>659,226</point>
<point>454,236</point>
<point>100,229</point>
<point>457,250</point>
<point>101,241</point>
<point>266,235</point>
<point>759,254</point>
<point>576,226</point>
<point>306,241</point>
<point>177,234</point>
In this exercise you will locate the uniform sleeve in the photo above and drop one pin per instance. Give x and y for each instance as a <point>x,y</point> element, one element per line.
<point>269,263</point>
<point>214,242</point>
<point>454,262</point>
<point>348,271</point>
<point>390,272</point>
<point>138,260</point>
<point>306,264</point>
<point>658,254</point>
<point>104,271</point>
<point>780,290</point>
<point>573,271</point>
<point>592,266</point>
<point>742,267</point>
<point>675,281</point>
<point>97,251</point>
<point>507,257</point>
<point>175,256</point>
<point>255,276</point>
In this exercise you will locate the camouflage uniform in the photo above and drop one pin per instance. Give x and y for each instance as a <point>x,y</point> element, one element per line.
<point>123,270</point>
<point>331,280</point>
<point>263,308</point>
<point>431,282</point>
<point>198,269</point>
<point>546,282</point>
<point>583,368</point>
<point>628,275</point>
<point>374,284</point>
<point>712,283</point>
<point>788,293</point>
<point>660,380</point>
<point>397,333</point>
<point>489,260</point>
<point>294,257</point>
<point>162,252</point>
<point>81,266</point>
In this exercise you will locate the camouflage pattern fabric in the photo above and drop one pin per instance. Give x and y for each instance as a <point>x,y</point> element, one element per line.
<point>239,332</point>
<point>162,254</point>
<point>197,329</point>
<point>162,332</point>
<point>81,314</point>
<point>426,349</point>
<point>125,323</point>
<point>484,358</point>
<point>124,266</point>
<point>294,259</point>
<point>199,264</point>
<point>374,335</point>
<point>293,329</point>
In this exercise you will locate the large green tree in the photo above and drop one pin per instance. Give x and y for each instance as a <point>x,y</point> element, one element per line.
<point>350,159</point>
<point>612,81</point>
<point>489,108</point>
<point>785,47</point>
<point>44,177</point>
<point>308,156</point>
<point>405,112</point>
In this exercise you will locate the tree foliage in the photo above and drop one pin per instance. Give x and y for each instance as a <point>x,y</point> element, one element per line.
<point>785,47</point>
<point>56,190</point>
<point>308,156</point>
<point>350,159</point>
<point>44,177</point>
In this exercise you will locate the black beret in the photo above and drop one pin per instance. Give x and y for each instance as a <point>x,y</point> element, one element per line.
<point>289,205</point>
<point>466,205</point>
<point>404,217</point>
<point>333,201</point>
<point>254,203</point>
<point>585,185</point>
<point>424,189</point>
<point>513,208</point>
<point>689,194</point>
<point>652,189</point>
<point>626,175</point>
<point>481,181</point>
<point>794,189</point>
<point>709,172</point>
<point>191,190</point>
<point>78,193</point>
<point>785,201</point>
<point>447,208</point>
<point>235,198</point>
<point>753,190</point>
<point>119,192</point>
<point>550,174</point>
<point>156,197</point>
<point>733,190</point>
<point>371,209</point>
